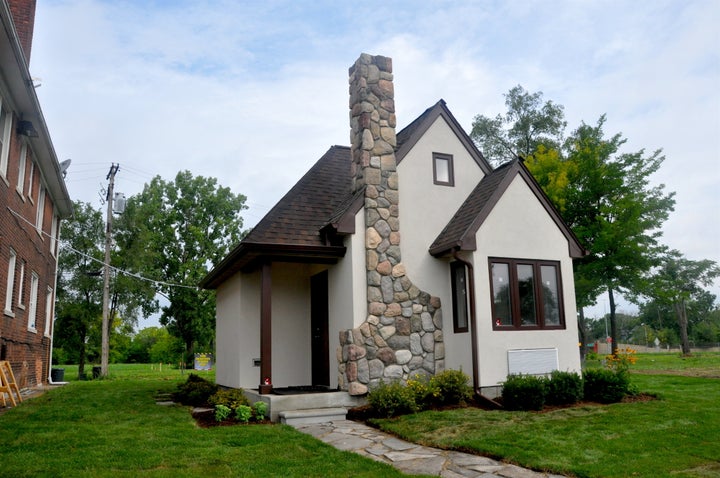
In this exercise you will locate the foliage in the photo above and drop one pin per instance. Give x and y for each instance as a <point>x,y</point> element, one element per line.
<point>389,400</point>
<point>527,124</point>
<point>243,413</point>
<point>260,409</point>
<point>563,388</point>
<point>230,397</point>
<point>523,392</point>
<point>195,391</point>
<point>605,385</point>
<point>621,359</point>
<point>424,391</point>
<point>175,230</point>
<point>222,413</point>
<point>450,387</point>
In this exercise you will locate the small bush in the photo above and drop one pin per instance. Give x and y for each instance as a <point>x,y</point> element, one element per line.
<point>564,388</point>
<point>523,392</point>
<point>389,400</point>
<point>423,391</point>
<point>222,413</point>
<point>605,385</point>
<point>195,391</point>
<point>452,387</point>
<point>260,410</point>
<point>230,397</point>
<point>243,413</point>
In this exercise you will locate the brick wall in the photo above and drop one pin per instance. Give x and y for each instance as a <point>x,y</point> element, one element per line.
<point>23,13</point>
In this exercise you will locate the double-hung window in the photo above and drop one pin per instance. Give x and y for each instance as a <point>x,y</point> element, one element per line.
<point>5,130</point>
<point>526,294</point>
<point>10,288</point>
<point>32,310</point>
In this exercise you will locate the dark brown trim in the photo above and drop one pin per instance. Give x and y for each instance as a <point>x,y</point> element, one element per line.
<point>515,294</point>
<point>473,321</point>
<point>455,288</point>
<point>451,169</point>
<point>265,329</point>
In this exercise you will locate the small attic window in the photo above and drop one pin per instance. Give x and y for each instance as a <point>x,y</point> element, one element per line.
<point>443,174</point>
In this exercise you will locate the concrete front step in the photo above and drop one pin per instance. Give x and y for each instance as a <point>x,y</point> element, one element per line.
<point>312,415</point>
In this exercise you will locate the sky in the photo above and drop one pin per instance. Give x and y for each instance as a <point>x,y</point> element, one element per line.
<point>253,93</point>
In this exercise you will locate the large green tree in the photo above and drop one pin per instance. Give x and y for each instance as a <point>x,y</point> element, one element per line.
<point>175,230</point>
<point>679,283</point>
<point>527,124</point>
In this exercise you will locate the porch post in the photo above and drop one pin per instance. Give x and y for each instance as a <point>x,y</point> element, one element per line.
<point>265,330</point>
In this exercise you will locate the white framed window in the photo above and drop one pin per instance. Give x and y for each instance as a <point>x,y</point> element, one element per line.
<point>54,228</point>
<point>10,283</point>
<point>30,180</point>
<point>40,215</point>
<point>48,311</point>
<point>21,286</point>
<point>21,170</point>
<point>5,130</point>
<point>32,310</point>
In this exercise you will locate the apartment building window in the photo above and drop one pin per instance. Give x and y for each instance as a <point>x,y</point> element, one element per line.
<point>21,169</point>
<point>31,176</point>
<point>40,215</point>
<point>54,227</point>
<point>32,310</point>
<point>21,286</point>
<point>10,283</point>
<point>5,130</point>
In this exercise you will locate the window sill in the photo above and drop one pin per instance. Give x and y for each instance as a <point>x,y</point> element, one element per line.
<point>5,180</point>
<point>20,193</point>
<point>9,313</point>
<point>33,330</point>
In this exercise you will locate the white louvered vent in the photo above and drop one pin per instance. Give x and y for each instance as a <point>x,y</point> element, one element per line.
<point>532,361</point>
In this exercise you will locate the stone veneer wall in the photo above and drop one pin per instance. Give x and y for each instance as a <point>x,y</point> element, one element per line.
<point>402,334</point>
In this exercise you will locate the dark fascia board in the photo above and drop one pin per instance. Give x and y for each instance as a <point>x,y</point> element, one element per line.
<point>344,223</point>
<point>248,255</point>
<point>467,242</point>
<point>24,99</point>
<point>440,109</point>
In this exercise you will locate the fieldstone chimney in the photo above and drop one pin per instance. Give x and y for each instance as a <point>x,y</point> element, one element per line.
<point>402,334</point>
<point>23,15</point>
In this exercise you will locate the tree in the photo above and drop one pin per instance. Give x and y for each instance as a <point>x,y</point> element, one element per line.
<point>527,124</point>
<point>175,230</point>
<point>678,281</point>
<point>79,287</point>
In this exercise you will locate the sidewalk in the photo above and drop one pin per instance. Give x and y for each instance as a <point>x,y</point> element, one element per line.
<point>411,458</point>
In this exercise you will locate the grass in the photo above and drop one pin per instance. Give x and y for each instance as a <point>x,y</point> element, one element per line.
<point>676,435</point>
<point>114,428</point>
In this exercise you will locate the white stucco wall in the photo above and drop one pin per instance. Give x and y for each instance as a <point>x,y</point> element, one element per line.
<point>238,331</point>
<point>519,227</point>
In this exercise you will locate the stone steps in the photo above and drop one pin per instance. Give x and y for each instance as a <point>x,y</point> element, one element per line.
<point>312,415</point>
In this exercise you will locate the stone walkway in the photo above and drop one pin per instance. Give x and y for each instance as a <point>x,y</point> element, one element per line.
<point>411,458</point>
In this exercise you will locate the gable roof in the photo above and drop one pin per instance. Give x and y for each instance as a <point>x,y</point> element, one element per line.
<point>409,136</point>
<point>460,232</point>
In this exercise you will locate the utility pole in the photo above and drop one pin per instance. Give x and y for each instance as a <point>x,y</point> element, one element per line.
<point>105,352</point>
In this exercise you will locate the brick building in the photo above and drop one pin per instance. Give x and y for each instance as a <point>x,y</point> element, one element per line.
<point>33,201</point>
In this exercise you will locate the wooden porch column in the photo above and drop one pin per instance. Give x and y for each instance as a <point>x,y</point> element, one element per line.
<point>265,330</point>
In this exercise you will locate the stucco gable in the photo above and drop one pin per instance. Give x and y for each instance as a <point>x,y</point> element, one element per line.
<point>459,234</point>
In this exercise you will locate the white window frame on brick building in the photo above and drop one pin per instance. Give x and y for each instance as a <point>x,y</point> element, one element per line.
<point>53,234</point>
<point>32,310</point>
<point>10,287</point>
<point>22,166</point>
<point>48,311</point>
<point>21,286</point>
<point>5,130</point>
<point>40,215</point>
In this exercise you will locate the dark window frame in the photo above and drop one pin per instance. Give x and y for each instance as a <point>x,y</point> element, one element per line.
<point>538,291</point>
<point>460,315</point>
<point>451,169</point>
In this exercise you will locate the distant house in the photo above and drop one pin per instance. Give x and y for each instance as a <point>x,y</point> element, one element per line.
<point>403,254</point>
<point>33,201</point>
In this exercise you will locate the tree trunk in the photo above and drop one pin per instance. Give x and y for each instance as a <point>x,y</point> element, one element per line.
<point>613,322</point>
<point>681,313</point>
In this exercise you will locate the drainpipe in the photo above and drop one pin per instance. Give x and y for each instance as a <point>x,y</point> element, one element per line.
<point>473,321</point>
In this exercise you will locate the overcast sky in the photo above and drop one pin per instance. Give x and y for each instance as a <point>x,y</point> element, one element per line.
<point>253,93</point>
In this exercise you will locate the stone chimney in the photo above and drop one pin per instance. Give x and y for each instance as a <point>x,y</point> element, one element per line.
<point>23,15</point>
<point>402,334</point>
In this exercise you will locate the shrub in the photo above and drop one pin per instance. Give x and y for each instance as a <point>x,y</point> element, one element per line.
<point>243,413</point>
<point>230,397</point>
<point>195,391</point>
<point>523,392</point>
<point>605,385</point>
<point>423,390</point>
<point>564,388</point>
<point>452,387</point>
<point>260,410</point>
<point>389,400</point>
<point>222,413</point>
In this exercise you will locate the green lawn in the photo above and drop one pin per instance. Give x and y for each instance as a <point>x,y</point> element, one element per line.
<point>114,428</point>
<point>677,435</point>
